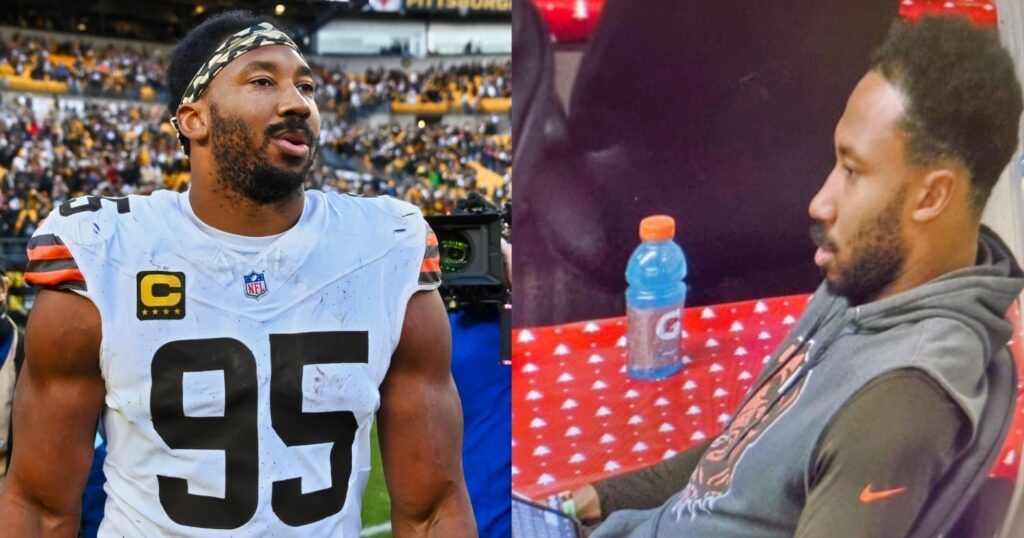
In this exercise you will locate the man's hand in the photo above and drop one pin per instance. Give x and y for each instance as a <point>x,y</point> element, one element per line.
<point>588,504</point>
<point>421,429</point>
<point>56,405</point>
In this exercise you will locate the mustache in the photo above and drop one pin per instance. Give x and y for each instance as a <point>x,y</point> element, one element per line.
<point>292,123</point>
<point>820,237</point>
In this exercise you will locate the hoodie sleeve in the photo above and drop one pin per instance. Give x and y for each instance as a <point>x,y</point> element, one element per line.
<point>875,466</point>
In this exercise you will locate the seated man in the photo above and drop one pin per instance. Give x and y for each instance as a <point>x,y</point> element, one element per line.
<point>868,402</point>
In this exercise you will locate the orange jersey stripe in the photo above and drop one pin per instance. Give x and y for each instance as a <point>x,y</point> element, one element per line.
<point>431,265</point>
<point>49,252</point>
<point>53,278</point>
<point>431,240</point>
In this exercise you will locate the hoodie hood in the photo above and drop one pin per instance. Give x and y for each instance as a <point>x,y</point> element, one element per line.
<point>977,296</point>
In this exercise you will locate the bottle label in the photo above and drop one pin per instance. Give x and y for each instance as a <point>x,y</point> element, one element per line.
<point>654,336</point>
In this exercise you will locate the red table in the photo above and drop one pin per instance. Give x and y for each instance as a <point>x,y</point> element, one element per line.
<point>577,417</point>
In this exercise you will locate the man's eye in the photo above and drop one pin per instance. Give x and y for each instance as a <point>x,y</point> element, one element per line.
<point>850,172</point>
<point>307,87</point>
<point>262,82</point>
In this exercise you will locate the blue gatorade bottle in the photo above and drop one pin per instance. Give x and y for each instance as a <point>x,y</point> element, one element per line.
<point>654,300</point>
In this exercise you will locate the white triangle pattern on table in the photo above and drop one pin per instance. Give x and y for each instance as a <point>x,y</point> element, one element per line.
<point>766,359</point>
<point>693,410</point>
<point>1011,456</point>
<point>736,326</point>
<point>668,454</point>
<point>684,335</point>
<point>687,359</point>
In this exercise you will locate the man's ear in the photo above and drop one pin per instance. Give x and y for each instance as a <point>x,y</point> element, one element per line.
<point>936,191</point>
<point>193,121</point>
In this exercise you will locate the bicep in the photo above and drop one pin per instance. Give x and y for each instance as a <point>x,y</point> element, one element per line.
<point>57,402</point>
<point>876,465</point>
<point>420,420</point>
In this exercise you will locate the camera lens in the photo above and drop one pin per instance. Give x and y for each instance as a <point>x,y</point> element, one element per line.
<point>455,250</point>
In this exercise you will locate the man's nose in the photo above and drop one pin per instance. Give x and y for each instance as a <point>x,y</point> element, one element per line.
<point>822,207</point>
<point>294,103</point>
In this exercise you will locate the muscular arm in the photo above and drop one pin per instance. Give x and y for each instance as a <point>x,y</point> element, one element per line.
<point>56,405</point>
<point>420,428</point>
<point>876,465</point>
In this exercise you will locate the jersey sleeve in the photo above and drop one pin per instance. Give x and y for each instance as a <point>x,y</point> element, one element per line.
<point>51,264</point>
<point>430,269</point>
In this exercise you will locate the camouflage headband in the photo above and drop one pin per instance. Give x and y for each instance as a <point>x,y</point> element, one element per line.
<point>253,37</point>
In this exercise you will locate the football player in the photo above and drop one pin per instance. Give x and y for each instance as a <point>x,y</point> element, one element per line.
<point>237,339</point>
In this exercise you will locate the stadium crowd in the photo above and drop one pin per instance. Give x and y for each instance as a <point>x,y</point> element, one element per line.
<point>463,84</point>
<point>119,149</point>
<point>130,73</point>
<point>111,71</point>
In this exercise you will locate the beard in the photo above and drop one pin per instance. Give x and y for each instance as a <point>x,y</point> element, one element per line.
<point>250,174</point>
<point>876,255</point>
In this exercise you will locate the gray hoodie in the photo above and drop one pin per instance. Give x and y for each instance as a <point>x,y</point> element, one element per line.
<point>753,480</point>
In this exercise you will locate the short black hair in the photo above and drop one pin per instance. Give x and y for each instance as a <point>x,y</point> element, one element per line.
<point>195,48</point>
<point>963,99</point>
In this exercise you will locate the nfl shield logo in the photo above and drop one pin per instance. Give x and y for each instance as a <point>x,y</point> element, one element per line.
<point>255,285</point>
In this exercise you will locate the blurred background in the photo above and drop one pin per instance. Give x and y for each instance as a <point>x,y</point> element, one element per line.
<point>415,100</point>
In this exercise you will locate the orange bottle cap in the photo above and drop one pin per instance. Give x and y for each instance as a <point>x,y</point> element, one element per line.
<point>657,228</point>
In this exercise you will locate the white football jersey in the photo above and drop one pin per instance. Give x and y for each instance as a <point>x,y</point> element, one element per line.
<point>240,389</point>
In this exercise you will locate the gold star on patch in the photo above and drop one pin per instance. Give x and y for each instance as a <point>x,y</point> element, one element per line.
<point>145,312</point>
<point>167,311</point>
<point>177,311</point>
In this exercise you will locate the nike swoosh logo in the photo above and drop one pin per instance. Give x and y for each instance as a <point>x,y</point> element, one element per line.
<point>867,496</point>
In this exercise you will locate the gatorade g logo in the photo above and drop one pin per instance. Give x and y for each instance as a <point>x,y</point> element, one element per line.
<point>668,326</point>
<point>161,295</point>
